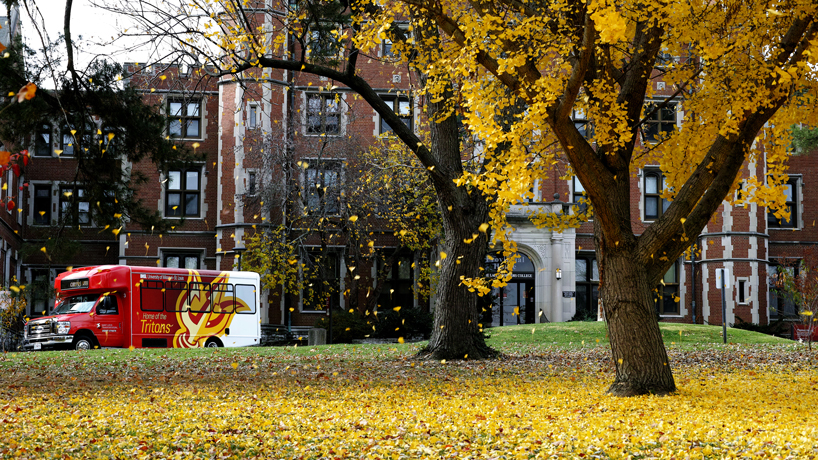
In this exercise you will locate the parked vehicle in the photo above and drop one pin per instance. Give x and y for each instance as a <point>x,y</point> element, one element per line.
<point>145,307</point>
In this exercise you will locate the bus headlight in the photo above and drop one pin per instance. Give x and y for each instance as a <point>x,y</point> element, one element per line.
<point>63,327</point>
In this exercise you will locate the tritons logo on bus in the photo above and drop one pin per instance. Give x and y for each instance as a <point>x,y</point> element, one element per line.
<point>200,318</point>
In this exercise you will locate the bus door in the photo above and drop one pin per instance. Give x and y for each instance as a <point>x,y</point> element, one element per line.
<point>108,322</point>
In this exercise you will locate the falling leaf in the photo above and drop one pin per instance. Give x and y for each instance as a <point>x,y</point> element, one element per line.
<point>27,92</point>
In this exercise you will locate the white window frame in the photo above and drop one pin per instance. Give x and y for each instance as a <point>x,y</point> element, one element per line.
<point>307,184</point>
<point>677,119</point>
<point>185,101</point>
<point>575,196</point>
<point>746,293</point>
<point>382,47</point>
<point>50,146</point>
<point>253,115</point>
<point>322,113</point>
<point>391,99</point>
<point>643,186</point>
<point>314,37</point>
<point>31,202</point>
<point>201,191</point>
<point>581,122</point>
<point>678,265</point>
<point>62,199</point>
<point>164,253</point>
<point>798,205</point>
<point>251,186</point>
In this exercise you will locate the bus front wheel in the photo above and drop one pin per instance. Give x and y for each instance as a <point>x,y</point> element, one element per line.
<point>84,343</point>
<point>213,343</point>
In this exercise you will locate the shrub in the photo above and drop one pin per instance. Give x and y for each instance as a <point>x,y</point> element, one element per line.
<point>778,328</point>
<point>388,324</point>
<point>346,326</point>
<point>407,322</point>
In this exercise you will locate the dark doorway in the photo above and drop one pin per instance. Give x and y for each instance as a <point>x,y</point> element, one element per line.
<point>587,287</point>
<point>514,303</point>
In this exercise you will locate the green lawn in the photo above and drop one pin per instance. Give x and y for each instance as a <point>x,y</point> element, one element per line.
<point>581,334</point>
<point>511,340</point>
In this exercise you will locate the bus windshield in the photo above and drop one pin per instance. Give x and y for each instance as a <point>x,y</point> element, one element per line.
<point>76,304</point>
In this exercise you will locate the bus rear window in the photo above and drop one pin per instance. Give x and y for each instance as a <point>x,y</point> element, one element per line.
<point>245,299</point>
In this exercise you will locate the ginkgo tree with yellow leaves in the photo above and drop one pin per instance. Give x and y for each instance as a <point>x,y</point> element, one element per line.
<point>749,75</point>
<point>514,73</point>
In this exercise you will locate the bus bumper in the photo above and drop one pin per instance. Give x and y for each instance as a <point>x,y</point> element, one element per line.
<point>47,343</point>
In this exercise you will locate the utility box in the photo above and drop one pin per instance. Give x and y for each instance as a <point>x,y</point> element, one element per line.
<point>317,336</point>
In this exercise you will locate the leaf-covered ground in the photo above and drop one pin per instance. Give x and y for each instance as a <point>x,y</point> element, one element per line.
<point>745,401</point>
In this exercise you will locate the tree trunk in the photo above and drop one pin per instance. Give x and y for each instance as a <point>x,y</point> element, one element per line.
<point>639,353</point>
<point>457,333</point>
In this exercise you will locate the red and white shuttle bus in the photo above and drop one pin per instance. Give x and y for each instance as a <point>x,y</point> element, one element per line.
<point>144,307</point>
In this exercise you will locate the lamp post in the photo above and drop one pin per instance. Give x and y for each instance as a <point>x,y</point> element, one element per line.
<point>238,250</point>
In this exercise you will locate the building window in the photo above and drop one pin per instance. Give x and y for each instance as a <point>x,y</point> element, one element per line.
<point>41,286</point>
<point>42,204</point>
<point>251,183</point>
<point>323,42</point>
<point>402,106</point>
<point>66,142</point>
<point>42,141</point>
<point>664,60</point>
<point>74,206</point>
<point>791,194</point>
<point>323,185</point>
<point>660,122</point>
<point>252,116</point>
<point>322,281</point>
<point>743,288</point>
<point>667,293</point>
<point>180,260</point>
<point>580,196</point>
<point>397,288</point>
<point>183,193</point>
<point>184,119</point>
<point>781,304</point>
<point>585,127</point>
<point>323,114</point>
<point>587,287</point>
<point>386,49</point>
<point>655,205</point>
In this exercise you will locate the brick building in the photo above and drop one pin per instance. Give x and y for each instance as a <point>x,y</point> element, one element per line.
<point>217,202</point>
<point>11,221</point>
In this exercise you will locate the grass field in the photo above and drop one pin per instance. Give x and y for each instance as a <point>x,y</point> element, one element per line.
<point>578,334</point>
<point>753,398</point>
<point>523,339</point>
